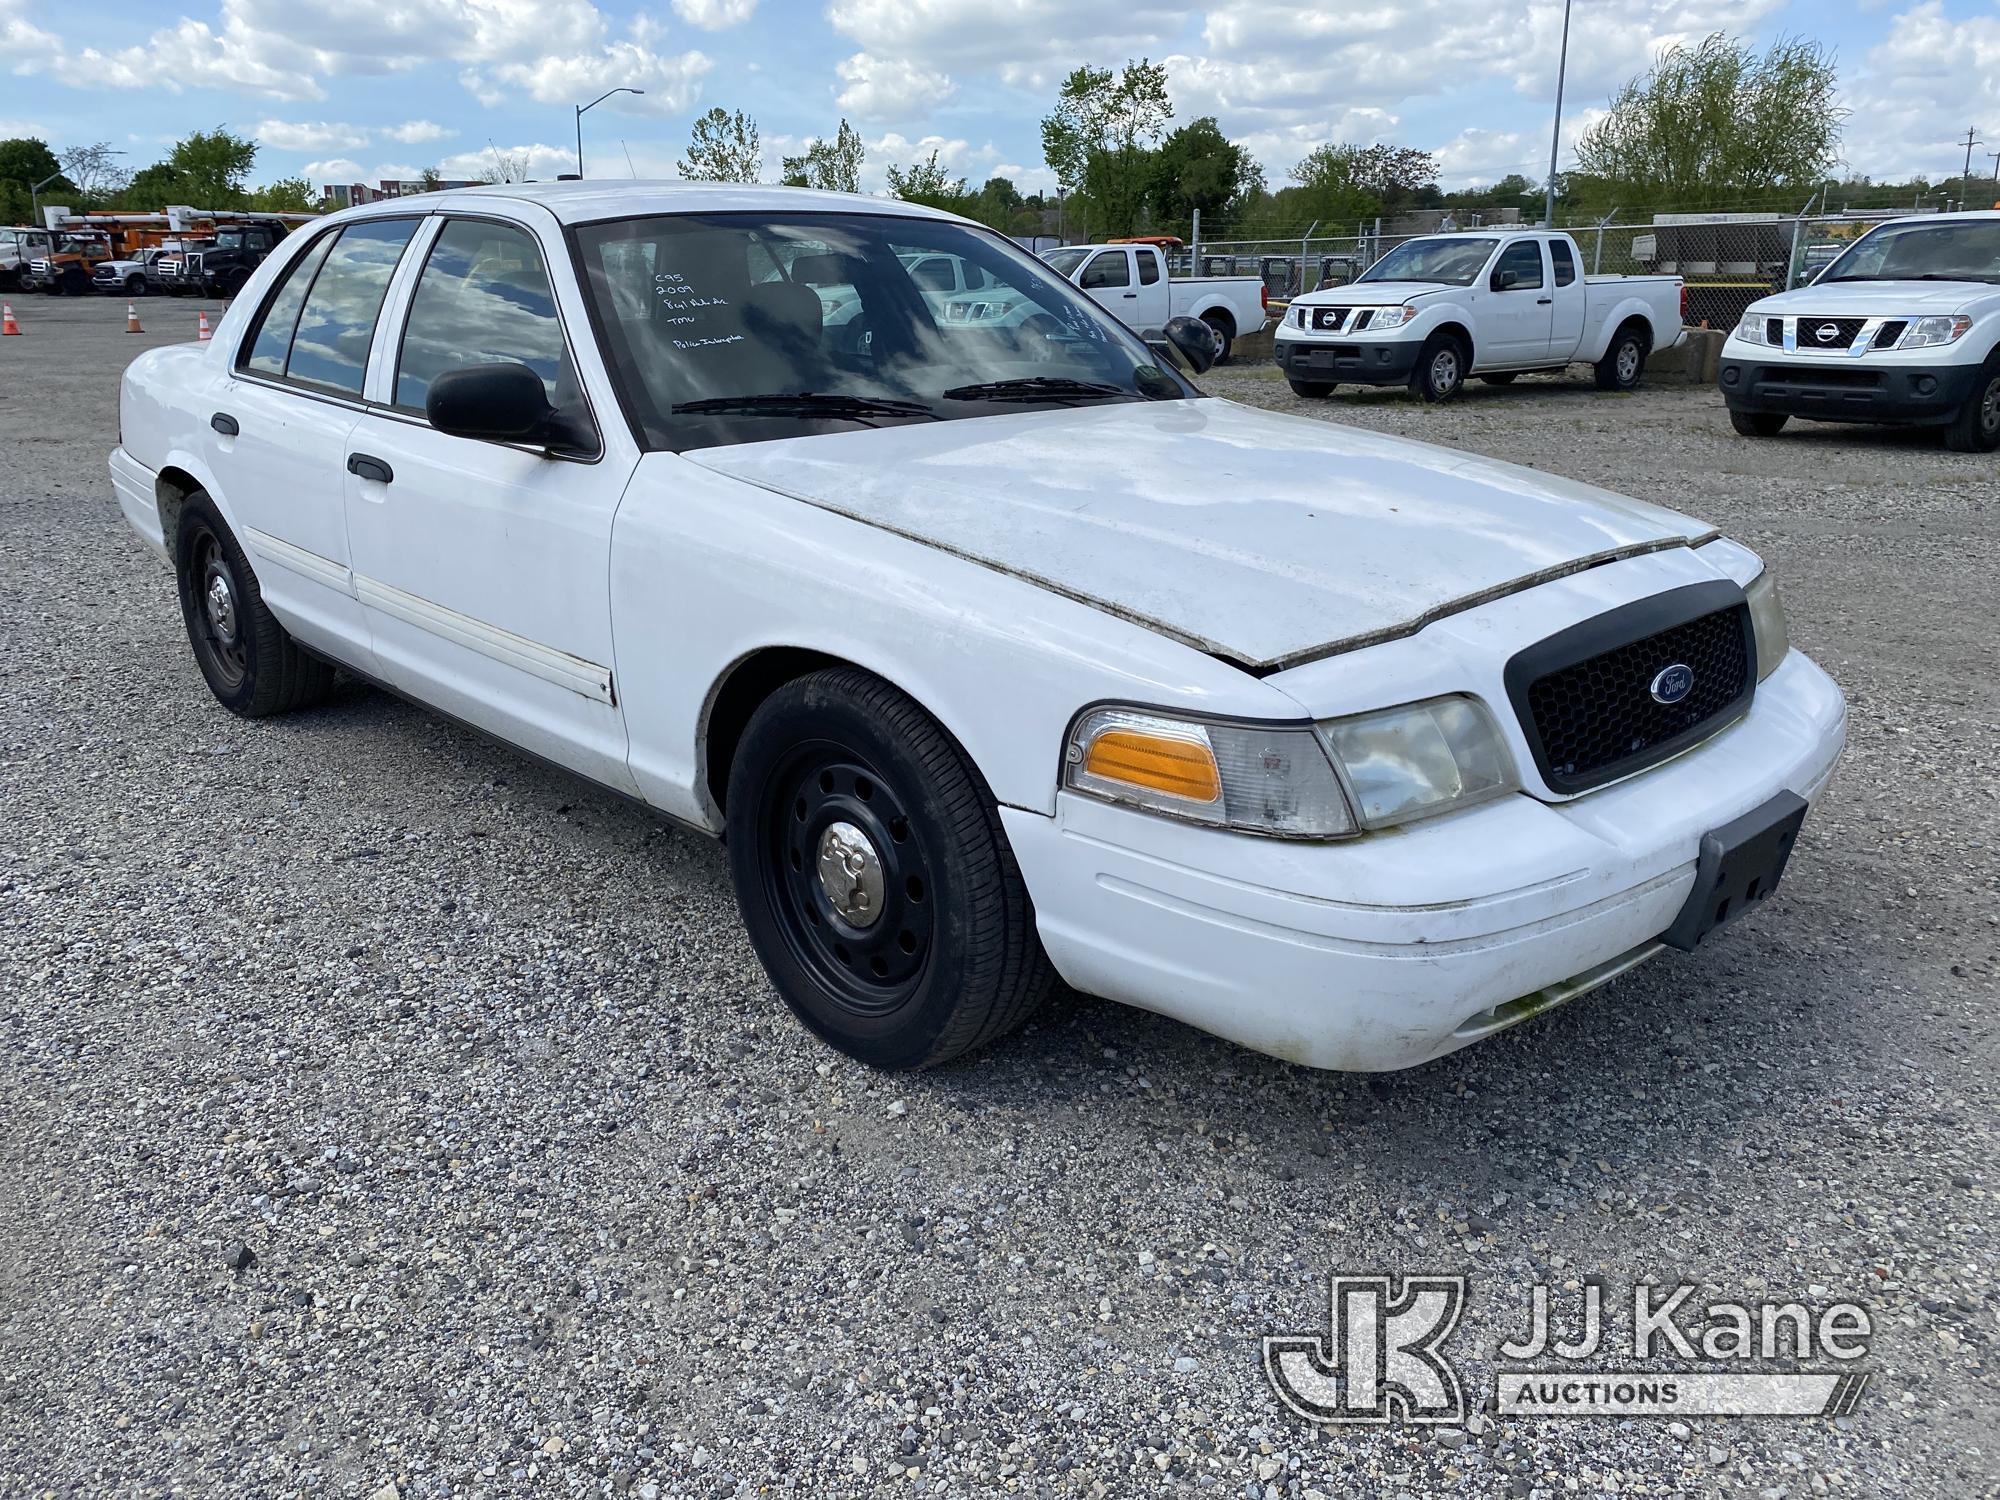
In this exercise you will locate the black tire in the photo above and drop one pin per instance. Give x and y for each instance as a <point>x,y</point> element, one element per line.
<point>950,959</point>
<point>1976,428</point>
<point>1624,363</point>
<point>1758,423</point>
<point>249,661</point>
<point>135,285</point>
<point>1500,377</point>
<point>76,281</point>
<point>1225,335</point>
<point>1312,390</point>
<point>1440,370</point>
<point>234,283</point>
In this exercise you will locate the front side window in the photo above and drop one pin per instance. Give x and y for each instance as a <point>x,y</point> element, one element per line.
<point>337,325</point>
<point>271,345</point>
<point>483,298</point>
<point>1565,262</point>
<point>730,328</point>
<point>1523,261</point>
<point>1107,270</point>
<point>1454,262</point>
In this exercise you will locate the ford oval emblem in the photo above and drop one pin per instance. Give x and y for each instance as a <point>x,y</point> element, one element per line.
<point>1671,684</point>
<point>1828,332</point>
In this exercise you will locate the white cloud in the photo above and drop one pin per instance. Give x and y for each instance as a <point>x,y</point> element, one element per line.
<point>538,159</point>
<point>324,135</point>
<point>892,149</point>
<point>671,84</point>
<point>715,15</point>
<point>1918,89</point>
<point>1029,43</point>
<point>881,87</point>
<point>338,169</point>
<point>416,132</point>
<point>23,44</point>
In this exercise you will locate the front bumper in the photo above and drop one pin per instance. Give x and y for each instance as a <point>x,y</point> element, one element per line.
<point>1347,361</point>
<point>1388,950</point>
<point>1853,390</point>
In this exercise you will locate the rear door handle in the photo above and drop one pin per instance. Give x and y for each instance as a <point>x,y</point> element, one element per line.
<point>223,423</point>
<point>362,466</point>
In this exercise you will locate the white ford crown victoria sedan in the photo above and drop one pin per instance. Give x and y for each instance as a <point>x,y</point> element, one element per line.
<point>996,654</point>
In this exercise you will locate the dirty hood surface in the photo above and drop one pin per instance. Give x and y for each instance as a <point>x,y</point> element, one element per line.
<point>1261,538</point>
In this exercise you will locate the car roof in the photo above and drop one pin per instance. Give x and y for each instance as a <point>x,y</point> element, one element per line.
<point>588,202</point>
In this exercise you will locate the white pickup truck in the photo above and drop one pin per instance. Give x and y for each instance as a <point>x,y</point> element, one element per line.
<point>1902,329</point>
<point>1131,283</point>
<point>21,247</point>
<point>1495,304</point>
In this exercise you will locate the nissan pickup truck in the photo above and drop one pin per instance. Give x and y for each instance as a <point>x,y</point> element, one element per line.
<point>952,635</point>
<point>1444,308</point>
<point>1131,283</point>
<point>1902,329</point>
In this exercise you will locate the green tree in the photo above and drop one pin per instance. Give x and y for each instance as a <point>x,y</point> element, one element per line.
<point>927,182</point>
<point>288,195</point>
<point>834,165</point>
<point>1098,139</point>
<point>211,165</point>
<point>1197,167</point>
<point>430,179</point>
<point>723,148</point>
<point>25,161</point>
<point>1331,189</point>
<point>153,188</point>
<point>1717,125</point>
<point>998,205</point>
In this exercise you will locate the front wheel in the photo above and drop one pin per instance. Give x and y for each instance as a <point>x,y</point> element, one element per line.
<point>1623,362</point>
<point>135,285</point>
<point>250,662</point>
<point>1758,423</point>
<point>1440,371</point>
<point>1976,428</point>
<point>1312,390</point>
<point>875,878</point>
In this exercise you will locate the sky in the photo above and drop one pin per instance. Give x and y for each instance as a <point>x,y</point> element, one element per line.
<point>357,90</point>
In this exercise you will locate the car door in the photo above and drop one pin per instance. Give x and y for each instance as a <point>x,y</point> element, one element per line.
<point>1515,320</point>
<point>1107,278</point>
<point>1150,310</point>
<point>1571,299</point>
<point>277,438</point>
<point>484,566</point>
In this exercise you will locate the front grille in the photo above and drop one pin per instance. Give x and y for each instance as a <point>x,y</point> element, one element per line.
<point>1774,330</point>
<point>1586,696</point>
<point>1888,333</point>
<point>1329,319</point>
<point>1828,333</point>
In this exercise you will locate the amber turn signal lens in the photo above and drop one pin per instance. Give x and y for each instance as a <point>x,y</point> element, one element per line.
<point>1180,768</point>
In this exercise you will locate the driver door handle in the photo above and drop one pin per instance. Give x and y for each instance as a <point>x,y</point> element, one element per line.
<point>223,423</point>
<point>362,466</point>
<point>1543,301</point>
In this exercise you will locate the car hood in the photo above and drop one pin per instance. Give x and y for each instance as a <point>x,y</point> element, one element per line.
<point>1264,539</point>
<point>122,267</point>
<point>1372,293</point>
<point>1870,299</point>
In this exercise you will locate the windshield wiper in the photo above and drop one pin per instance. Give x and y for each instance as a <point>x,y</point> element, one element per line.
<point>1033,388</point>
<point>804,404</point>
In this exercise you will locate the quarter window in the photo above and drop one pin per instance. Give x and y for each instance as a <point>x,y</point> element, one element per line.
<point>484,298</point>
<point>1524,259</point>
<point>272,344</point>
<point>1565,262</point>
<point>1106,270</point>
<point>1149,267</point>
<point>337,325</point>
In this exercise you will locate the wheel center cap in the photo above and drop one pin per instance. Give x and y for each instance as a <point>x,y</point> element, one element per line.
<point>221,608</point>
<point>850,872</point>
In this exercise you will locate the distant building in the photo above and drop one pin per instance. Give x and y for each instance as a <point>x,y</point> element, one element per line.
<point>347,194</point>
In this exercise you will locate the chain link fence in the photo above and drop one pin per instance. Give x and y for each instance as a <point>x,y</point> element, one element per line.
<point>1727,260</point>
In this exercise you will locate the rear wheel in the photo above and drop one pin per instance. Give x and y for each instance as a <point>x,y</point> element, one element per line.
<point>1314,390</point>
<point>1440,371</point>
<point>1758,423</point>
<point>1225,334</point>
<point>249,661</point>
<point>874,876</point>
<point>1976,428</point>
<point>1625,361</point>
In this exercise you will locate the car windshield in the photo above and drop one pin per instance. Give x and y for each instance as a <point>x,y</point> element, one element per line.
<point>732,328</point>
<point>1065,261</point>
<point>1968,250</point>
<point>1455,261</point>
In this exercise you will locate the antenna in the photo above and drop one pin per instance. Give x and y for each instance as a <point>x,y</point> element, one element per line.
<point>498,165</point>
<point>628,157</point>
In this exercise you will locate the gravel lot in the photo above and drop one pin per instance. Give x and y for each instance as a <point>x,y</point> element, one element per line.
<point>383,1114</point>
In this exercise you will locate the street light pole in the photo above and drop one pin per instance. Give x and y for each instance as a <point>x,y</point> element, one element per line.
<point>579,120</point>
<point>1555,131</point>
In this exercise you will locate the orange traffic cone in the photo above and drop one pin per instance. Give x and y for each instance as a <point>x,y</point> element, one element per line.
<point>201,329</point>
<point>132,318</point>
<point>7,323</point>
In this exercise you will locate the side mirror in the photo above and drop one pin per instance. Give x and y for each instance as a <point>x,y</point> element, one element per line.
<point>1193,340</point>
<point>1505,281</point>
<point>503,403</point>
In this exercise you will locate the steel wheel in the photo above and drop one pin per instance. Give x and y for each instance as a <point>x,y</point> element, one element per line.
<point>1444,371</point>
<point>1628,361</point>
<point>215,607</point>
<point>849,882</point>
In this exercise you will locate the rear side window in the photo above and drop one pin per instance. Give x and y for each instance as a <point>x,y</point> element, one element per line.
<point>273,341</point>
<point>330,348</point>
<point>1565,262</point>
<point>1524,259</point>
<point>484,298</point>
<point>1149,268</point>
<point>1107,270</point>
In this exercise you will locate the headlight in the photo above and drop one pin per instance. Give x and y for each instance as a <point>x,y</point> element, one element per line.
<point>1752,330</point>
<point>1928,332</point>
<point>1258,778</point>
<point>1398,764</point>
<point>1767,623</point>
<point>1390,317</point>
<point>1421,758</point>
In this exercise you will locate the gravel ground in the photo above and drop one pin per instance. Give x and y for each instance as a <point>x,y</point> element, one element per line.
<point>383,1114</point>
